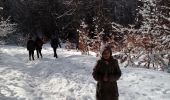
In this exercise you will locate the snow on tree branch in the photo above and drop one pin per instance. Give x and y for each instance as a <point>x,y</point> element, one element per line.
<point>6,27</point>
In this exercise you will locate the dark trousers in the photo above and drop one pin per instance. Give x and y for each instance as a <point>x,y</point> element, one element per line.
<point>39,53</point>
<point>31,54</point>
<point>55,53</point>
<point>114,98</point>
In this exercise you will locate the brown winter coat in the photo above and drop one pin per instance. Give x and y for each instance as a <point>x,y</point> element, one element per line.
<point>38,43</point>
<point>107,90</point>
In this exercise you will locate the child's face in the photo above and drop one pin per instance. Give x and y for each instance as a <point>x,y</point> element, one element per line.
<point>106,54</point>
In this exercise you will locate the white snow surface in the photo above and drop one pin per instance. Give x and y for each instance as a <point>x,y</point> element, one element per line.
<point>69,77</point>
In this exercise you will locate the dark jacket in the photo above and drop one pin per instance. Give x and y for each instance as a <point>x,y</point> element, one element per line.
<point>107,90</point>
<point>55,43</point>
<point>38,43</point>
<point>31,45</point>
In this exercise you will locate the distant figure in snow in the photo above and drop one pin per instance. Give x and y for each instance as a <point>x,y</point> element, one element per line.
<point>31,48</point>
<point>54,44</point>
<point>106,72</point>
<point>38,46</point>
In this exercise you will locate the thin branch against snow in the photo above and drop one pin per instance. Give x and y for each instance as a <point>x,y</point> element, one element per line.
<point>117,26</point>
<point>68,2</point>
<point>164,17</point>
<point>167,31</point>
<point>165,7</point>
<point>70,12</point>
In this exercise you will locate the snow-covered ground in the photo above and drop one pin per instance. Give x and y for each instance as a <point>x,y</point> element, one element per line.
<point>69,77</point>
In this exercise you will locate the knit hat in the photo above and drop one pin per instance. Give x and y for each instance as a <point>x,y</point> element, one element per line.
<point>104,48</point>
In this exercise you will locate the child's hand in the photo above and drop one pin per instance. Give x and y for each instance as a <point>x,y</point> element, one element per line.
<point>110,79</point>
<point>105,78</point>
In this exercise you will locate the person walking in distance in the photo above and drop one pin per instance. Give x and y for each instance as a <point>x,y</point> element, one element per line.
<point>31,48</point>
<point>54,44</point>
<point>38,45</point>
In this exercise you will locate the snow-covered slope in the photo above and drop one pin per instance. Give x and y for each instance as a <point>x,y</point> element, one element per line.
<point>69,77</point>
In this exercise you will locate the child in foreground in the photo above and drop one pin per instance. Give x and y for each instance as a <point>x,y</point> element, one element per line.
<point>106,72</point>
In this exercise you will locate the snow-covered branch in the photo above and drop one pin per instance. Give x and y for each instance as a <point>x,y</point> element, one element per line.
<point>69,12</point>
<point>6,27</point>
<point>164,17</point>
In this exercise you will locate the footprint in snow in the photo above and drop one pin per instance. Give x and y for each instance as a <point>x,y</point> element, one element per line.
<point>167,91</point>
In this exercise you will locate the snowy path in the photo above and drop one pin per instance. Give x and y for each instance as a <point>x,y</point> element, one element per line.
<point>69,78</point>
